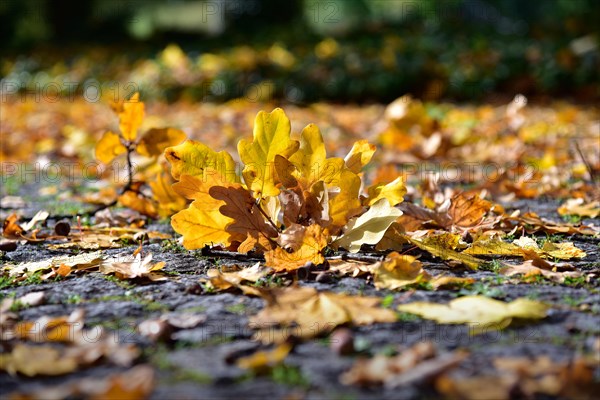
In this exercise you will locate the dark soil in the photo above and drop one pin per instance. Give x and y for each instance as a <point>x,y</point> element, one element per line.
<point>194,363</point>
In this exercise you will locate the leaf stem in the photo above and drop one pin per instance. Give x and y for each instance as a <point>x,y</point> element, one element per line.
<point>263,212</point>
<point>129,170</point>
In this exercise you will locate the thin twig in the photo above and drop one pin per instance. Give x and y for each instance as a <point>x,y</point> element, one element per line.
<point>208,252</point>
<point>264,213</point>
<point>129,171</point>
<point>591,171</point>
<point>356,257</point>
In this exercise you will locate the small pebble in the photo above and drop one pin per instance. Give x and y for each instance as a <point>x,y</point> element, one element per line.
<point>62,228</point>
<point>194,288</point>
<point>8,245</point>
<point>342,341</point>
<point>323,277</point>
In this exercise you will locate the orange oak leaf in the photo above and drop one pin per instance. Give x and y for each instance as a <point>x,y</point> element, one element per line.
<point>299,245</point>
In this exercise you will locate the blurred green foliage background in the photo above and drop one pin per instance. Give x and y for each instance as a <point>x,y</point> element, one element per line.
<point>307,50</point>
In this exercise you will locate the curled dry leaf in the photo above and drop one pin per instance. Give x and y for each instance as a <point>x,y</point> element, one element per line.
<point>529,377</point>
<point>351,268</point>
<point>40,216</point>
<point>306,313</point>
<point>369,228</point>
<point>563,251</point>
<point>220,281</point>
<point>580,208</point>
<point>532,223</point>
<point>162,327</point>
<point>529,271</point>
<point>10,227</point>
<point>133,266</point>
<point>81,261</point>
<point>461,213</point>
<point>467,213</point>
<point>415,364</point>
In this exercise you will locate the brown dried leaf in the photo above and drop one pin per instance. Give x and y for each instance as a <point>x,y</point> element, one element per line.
<point>242,208</point>
<point>312,313</point>
<point>417,363</point>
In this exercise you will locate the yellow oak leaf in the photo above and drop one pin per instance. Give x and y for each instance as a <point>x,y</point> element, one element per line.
<point>440,246</point>
<point>196,188</point>
<point>494,246</point>
<point>36,360</point>
<point>137,202</point>
<point>480,312</point>
<point>523,247</point>
<point>397,271</point>
<point>155,141</point>
<point>131,116</point>
<point>169,201</point>
<point>563,251</point>
<point>305,244</point>
<point>345,203</point>
<point>109,146</point>
<point>359,156</point>
<point>271,137</point>
<point>312,166</point>
<point>263,361</point>
<point>193,158</point>
<point>369,228</point>
<point>394,192</point>
<point>202,224</point>
<point>578,207</point>
<point>310,157</point>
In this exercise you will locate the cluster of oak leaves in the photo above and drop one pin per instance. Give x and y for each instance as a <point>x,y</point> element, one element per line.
<point>298,209</point>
